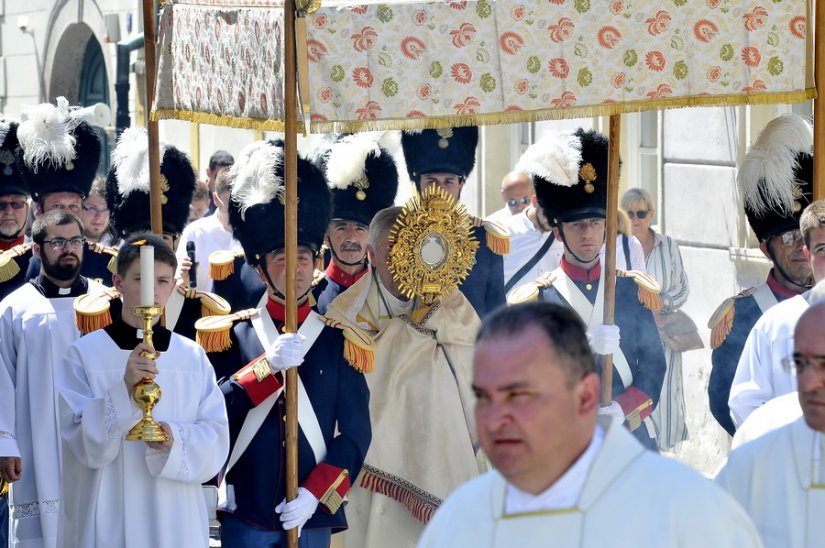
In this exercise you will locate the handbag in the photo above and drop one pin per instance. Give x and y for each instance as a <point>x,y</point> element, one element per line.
<point>679,332</point>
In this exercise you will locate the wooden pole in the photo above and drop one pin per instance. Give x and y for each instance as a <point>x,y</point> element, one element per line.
<point>155,211</point>
<point>291,249</point>
<point>610,248</point>
<point>819,105</point>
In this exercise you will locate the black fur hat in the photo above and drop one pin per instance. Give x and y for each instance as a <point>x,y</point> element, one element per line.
<point>363,177</point>
<point>127,186</point>
<point>58,152</point>
<point>448,150</point>
<point>256,209</point>
<point>776,176</point>
<point>11,180</point>
<point>569,174</point>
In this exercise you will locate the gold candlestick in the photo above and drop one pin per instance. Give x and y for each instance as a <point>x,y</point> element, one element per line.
<point>147,392</point>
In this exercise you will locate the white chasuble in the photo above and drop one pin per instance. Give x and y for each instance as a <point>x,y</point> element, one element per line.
<point>123,493</point>
<point>34,334</point>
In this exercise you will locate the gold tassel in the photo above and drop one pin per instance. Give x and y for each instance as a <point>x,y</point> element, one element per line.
<point>111,266</point>
<point>221,272</point>
<point>361,359</point>
<point>500,245</point>
<point>649,299</point>
<point>4,486</point>
<point>214,341</point>
<point>722,329</point>
<point>8,268</point>
<point>87,323</point>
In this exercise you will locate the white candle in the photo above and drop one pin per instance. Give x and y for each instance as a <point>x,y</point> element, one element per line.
<point>147,275</point>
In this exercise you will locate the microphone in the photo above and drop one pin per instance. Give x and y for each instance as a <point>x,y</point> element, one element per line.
<point>193,272</point>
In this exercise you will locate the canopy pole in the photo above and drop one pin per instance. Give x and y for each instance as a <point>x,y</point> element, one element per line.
<point>610,248</point>
<point>291,249</point>
<point>155,192</point>
<point>819,105</point>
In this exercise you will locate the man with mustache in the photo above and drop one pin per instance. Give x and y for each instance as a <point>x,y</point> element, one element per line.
<point>56,159</point>
<point>780,163</point>
<point>777,478</point>
<point>760,375</point>
<point>14,201</point>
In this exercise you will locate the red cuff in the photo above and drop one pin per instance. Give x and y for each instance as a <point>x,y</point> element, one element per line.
<point>329,484</point>
<point>637,406</point>
<point>258,381</point>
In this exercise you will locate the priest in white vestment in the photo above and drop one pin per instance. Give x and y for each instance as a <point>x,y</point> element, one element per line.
<point>590,483</point>
<point>759,375</point>
<point>138,493</point>
<point>424,441</point>
<point>36,328</point>
<point>778,478</point>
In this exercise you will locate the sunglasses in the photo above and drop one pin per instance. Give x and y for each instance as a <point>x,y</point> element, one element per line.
<point>17,204</point>
<point>637,214</point>
<point>512,202</point>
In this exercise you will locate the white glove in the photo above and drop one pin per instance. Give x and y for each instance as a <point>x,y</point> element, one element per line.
<point>287,351</point>
<point>295,513</point>
<point>614,411</point>
<point>604,339</point>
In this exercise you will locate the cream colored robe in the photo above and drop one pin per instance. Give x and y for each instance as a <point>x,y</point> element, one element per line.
<point>773,478</point>
<point>631,497</point>
<point>423,431</point>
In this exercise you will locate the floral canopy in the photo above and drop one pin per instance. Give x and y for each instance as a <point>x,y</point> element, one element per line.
<point>435,63</point>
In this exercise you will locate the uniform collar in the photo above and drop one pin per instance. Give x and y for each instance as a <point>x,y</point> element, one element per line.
<point>277,311</point>
<point>340,277</point>
<point>579,274</point>
<point>778,289</point>
<point>52,291</point>
<point>8,245</point>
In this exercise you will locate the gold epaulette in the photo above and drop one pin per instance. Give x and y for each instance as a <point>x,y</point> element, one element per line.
<point>529,292</point>
<point>222,263</point>
<point>721,322</point>
<point>359,346</point>
<point>97,247</point>
<point>498,237</point>
<point>91,311</point>
<point>648,287</point>
<point>8,265</point>
<point>212,332</point>
<point>211,304</point>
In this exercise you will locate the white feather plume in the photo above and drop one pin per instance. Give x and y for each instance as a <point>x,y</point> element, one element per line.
<point>766,176</point>
<point>253,176</point>
<point>5,126</point>
<point>555,158</point>
<point>46,136</point>
<point>130,159</point>
<point>348,156</point>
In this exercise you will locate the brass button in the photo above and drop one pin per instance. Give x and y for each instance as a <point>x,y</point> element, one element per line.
<point>283,443</point>
<point>284,417</point>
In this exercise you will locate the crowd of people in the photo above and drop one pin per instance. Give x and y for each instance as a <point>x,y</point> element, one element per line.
<point>476,419</point>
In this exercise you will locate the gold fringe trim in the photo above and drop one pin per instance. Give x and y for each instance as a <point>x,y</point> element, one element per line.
<point>220,120</point>
<point>649,299</point>
<point>421,505</point>
<point>511,117</point>
<point>361,359</point>
<point>8,268</point>
<point>722,329</point>
<point>214,341</point>
<point>88,323</point>
<point>221,272</point>
<point>500,245</point>
<point>111,266</point>
<point>4,486</point>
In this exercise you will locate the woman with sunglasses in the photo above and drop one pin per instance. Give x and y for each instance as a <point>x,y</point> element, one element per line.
<point>664,262</point>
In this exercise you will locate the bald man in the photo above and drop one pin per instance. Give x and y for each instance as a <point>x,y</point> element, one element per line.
<point>516,191</point>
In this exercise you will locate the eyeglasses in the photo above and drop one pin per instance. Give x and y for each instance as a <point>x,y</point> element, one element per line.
<point>512,202</point>
<point>790,238</point>
<point>59,243</point>
<point>96,211</point>
<point>799,363</point>
<point>17,204</point>
<point>637,214</point>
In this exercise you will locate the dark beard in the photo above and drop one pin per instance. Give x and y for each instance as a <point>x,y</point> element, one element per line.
<point>62,273</point>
